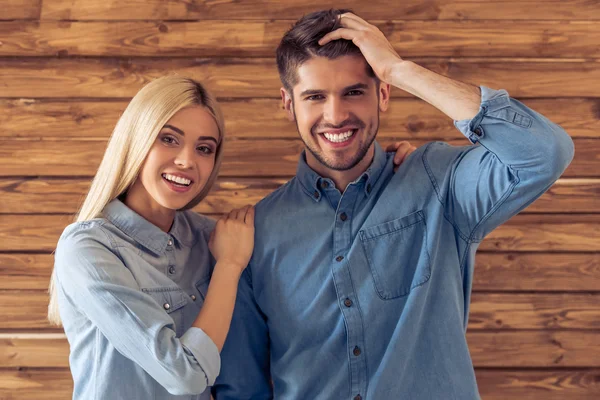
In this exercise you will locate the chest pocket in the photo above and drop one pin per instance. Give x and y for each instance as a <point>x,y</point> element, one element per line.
<point>202,287</point>
<point>171,300</point>
<point>397,255</point>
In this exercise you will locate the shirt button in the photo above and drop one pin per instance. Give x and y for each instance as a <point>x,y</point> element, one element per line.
<point>324,184</point>
<point>171,270</point>
<point>356,351</point>
<point>358,397</point>
<point>316,194</point>
<point>170,242</point>
<point>343,216</point>
<point>348,302</point>
<point>167,306</point>
<point>339,258</point>
<point>193,297</point>
<point>478,131</point>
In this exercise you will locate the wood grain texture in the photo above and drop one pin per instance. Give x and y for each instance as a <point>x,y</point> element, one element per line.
<point>523,233</point>
<point>494,272</point>
<point>264,118</point>
<point>230,38</point>
<point>537,271</point>
<point>257,77</point>
<point>494,384</point>
<point>24,310</point>
<point>65,196</point>
<point>20,9</point>
<point>274,9</point>
<point>538,384</point>
<point>499,349</point>
<point>274,158</point>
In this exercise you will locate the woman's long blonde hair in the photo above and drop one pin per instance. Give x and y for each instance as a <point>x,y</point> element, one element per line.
<point>131,140</point>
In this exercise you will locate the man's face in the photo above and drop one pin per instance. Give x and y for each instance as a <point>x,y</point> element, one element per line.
<point>336,108</point>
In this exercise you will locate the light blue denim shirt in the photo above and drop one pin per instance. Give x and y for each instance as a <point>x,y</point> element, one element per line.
<point>128,295</point>
<point>365,294</point>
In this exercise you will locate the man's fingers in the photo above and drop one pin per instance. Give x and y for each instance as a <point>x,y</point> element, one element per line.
<point>352,21</point>
<point>340,33</point>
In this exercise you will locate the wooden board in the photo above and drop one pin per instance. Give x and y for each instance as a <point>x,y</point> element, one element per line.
<point>501,349</point>
<point>231,38</point>
<point>20,9</point>
<point>25,310</point>
<point>271,9</point>
<point>494,272</point>
<point>556,384</point>
<point>494,384</point>
<point>257,77</point>
<point>65,196</point>
<point>267,158</point>
<point>406,119</point>
<point>541,232</point>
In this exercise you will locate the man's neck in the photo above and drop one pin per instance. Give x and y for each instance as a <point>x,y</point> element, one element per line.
<point>341,178</point>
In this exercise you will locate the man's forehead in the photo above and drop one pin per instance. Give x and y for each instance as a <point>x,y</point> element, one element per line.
<point>323,73</point>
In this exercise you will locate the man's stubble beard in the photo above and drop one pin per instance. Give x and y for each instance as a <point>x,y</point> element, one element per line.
<point>356,158</point>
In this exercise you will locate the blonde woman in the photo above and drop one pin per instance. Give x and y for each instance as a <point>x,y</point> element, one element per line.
<point>131,276</point>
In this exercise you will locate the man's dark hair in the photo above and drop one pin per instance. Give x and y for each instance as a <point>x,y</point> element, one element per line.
<point>301,43</point>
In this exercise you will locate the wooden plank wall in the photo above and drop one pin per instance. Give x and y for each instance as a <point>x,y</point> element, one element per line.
<point>68,68</point>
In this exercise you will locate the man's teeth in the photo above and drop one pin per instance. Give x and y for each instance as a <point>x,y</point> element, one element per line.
<point>177,179</point>
<point>339,137</point>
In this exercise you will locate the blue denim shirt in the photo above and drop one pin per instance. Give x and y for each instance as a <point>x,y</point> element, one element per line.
<point>365,294</point>
<point>128,295</point>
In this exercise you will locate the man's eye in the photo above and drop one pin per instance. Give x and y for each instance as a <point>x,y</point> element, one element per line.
<point>355,93</point>
<point>315,97</point>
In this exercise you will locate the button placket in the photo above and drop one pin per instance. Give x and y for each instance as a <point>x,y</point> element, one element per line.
<point>342,242</point>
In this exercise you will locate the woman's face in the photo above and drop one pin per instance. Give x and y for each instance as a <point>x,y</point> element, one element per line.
<point>180,161</point>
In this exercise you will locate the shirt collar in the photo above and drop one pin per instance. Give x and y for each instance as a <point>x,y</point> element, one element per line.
<point>142,230</point>
<point>312,182</point>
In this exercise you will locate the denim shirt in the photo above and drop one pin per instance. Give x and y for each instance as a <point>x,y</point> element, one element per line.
<point>128,295</point>
<point>365,294</point>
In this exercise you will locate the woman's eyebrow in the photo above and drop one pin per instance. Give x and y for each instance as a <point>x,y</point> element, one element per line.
<point>175,129</point>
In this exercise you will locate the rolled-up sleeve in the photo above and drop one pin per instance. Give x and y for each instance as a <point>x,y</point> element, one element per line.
<point>95,281</point>
<point>518,156</point>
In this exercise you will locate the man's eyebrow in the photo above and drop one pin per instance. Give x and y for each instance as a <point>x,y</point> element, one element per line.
<point>175,129</point>
<point>356,86</point>
<point>311,92</point>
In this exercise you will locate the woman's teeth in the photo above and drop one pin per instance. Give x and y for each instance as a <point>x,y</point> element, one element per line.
<point>340,137</point>
<point>177,179</point>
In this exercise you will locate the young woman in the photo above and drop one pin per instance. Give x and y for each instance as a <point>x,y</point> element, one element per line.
<point>144,305</point>
<point>131,276</point>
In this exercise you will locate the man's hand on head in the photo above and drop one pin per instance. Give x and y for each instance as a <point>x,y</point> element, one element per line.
<point>373,44</point>
<point>402,149</point>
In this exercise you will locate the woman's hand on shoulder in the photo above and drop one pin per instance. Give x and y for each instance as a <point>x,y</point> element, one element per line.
<point>232,241</point>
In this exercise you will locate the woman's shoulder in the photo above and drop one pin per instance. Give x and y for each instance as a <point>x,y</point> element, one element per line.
<point>84,242</point>
<point>199,223</point>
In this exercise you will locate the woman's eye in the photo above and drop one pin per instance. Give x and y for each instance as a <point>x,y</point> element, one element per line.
<point>205,150</point>
<point>168,139</point>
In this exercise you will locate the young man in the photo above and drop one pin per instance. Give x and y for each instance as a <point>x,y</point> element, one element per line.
<point>360,281</point>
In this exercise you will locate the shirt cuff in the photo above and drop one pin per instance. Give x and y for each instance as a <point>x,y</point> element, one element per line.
<point>491,100</point>
<point>197,342</point>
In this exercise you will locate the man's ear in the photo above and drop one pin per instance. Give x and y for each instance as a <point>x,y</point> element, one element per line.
<point>384,96</point>
<point>286,100</point>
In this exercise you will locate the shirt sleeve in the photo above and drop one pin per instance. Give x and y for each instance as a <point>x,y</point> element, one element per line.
<point>245,355</point>
<point>95,281</point>
<point>518,156</point>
